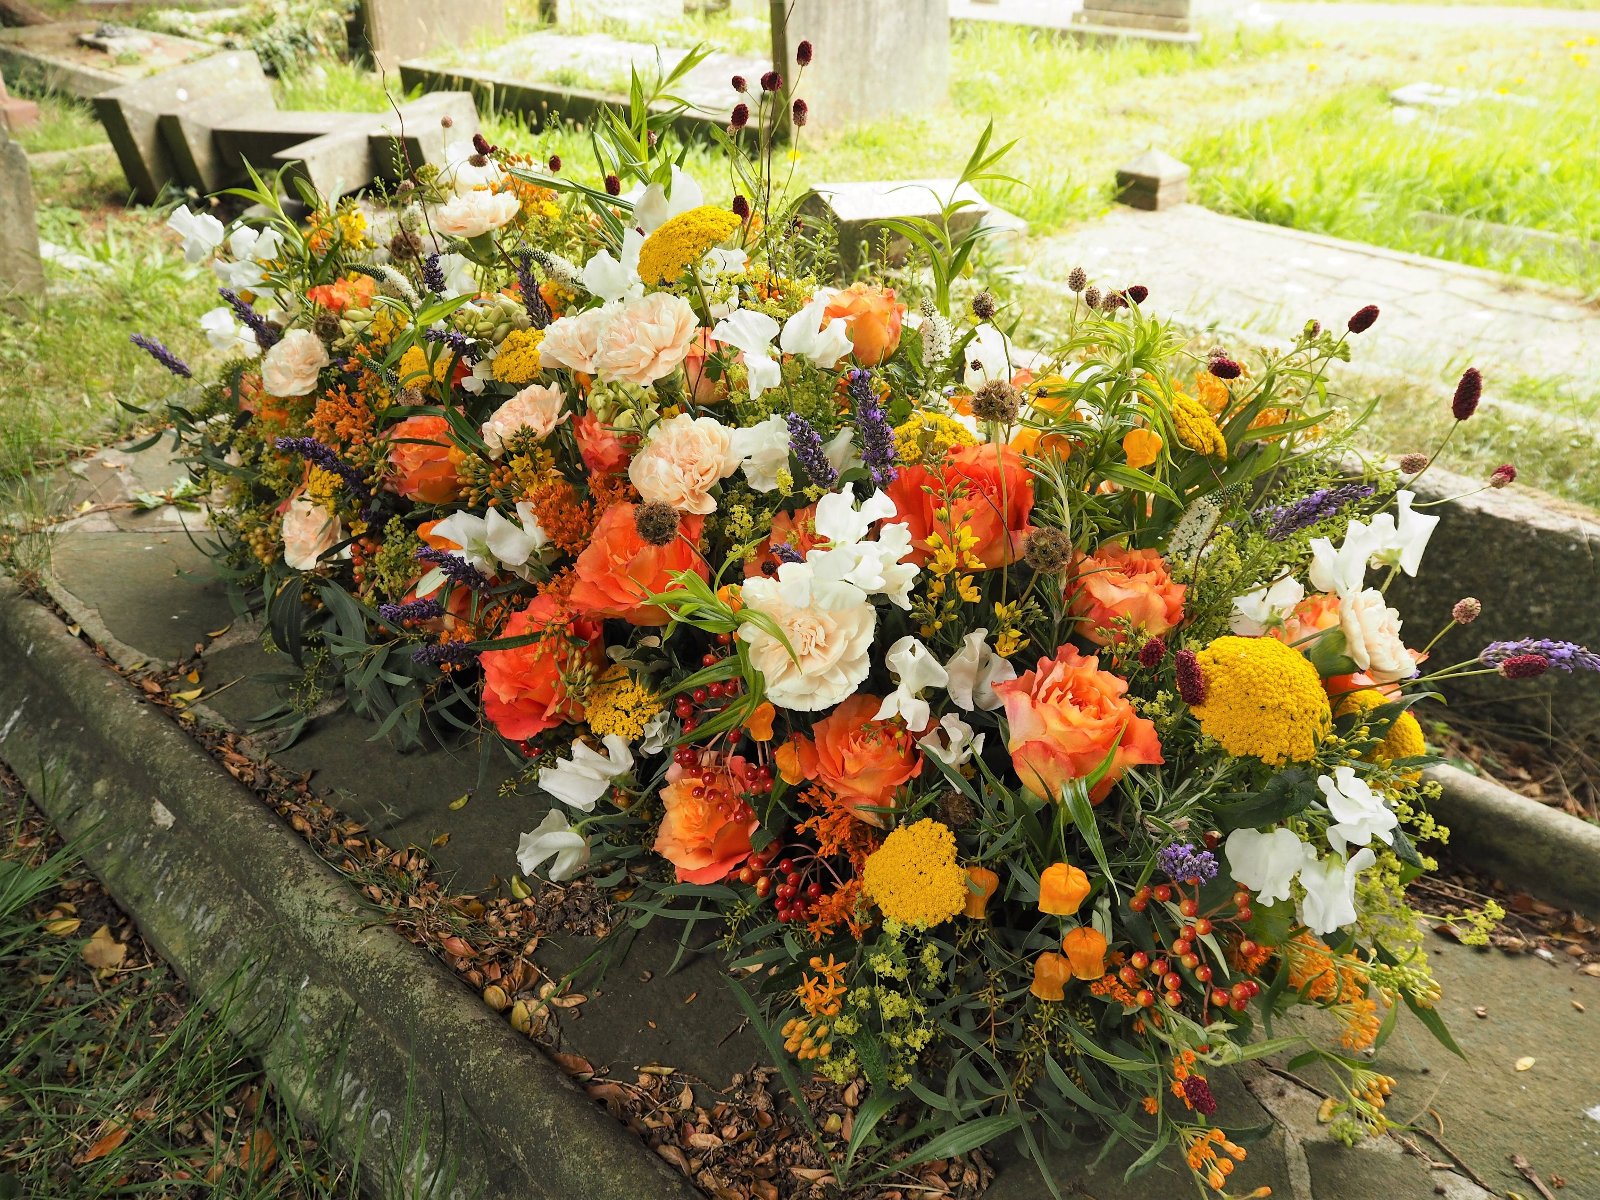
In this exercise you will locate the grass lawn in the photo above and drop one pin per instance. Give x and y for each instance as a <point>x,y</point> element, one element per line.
<point>1277,126</point>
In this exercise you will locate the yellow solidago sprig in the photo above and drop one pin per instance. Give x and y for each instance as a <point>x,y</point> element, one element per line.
<point>1196,428</point>
<point>620,704</point>
<point>1261,698</point>
<point>914,878</point>
<point>683,241</point>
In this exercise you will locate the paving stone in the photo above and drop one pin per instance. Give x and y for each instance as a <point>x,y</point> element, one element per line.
<point>161,126</point>
<point>394,30</point>
<point>55,58</point>
<point>21,273</point>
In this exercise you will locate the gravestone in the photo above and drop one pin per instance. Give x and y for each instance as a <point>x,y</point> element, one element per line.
<point>857,210</point>
<point>1157,20</point>
<point>21,272</point>
<point>16,114</point>
<point>366,147</point>
<point>393,30</point>
<point>85,58</point>
<point>643,13</point>
<point>190,100</point>
<point>873,60</point>
<point>1153,181</point>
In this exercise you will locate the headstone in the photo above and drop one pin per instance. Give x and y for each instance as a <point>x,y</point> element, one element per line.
<point>643,13</point>
<point>1161,20</point>
<point>857,211</point>
<point>1153,181</point>
<point>401,29</point>
<point>873,60</point>
<point>381,145</point>
<point>21,273</point>
<point>56,57</point>
<point>16,114</point>
<point>161,126</point>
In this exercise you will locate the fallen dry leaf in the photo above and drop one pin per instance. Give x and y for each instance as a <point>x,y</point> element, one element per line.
<point>258,1152</point>
<point>1590,969</point>
<point>1525,1063</point>
<point>104,951</point>
<point>108,1142</point>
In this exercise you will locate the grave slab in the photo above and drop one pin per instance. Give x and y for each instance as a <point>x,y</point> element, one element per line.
<point>259,138</point>
<point>394,30</point>
<point>161,125</point>
<point>55,58</point>
<point>858,209</point>
<point>21,273</point>
<point>365,148</point>
<point>16,114</point>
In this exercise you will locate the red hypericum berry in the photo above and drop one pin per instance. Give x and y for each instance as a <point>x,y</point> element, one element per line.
<point>613,186</point>
<point>1202,927</point>
<point>802,54</point>
<point>1172,981</point>
<point>1468,392</point>
<point>800,111</point>
<point>1172,999</point>
<point>1189,906</point>
<point>1212,839</point>
<point>1247,948</point>
<point>1246,913</point>
<point>1139,960</point>
<point>699,695</point>
<point>1219,997</point>
<point>786,867</point>
<point>1203,973</point>
<point>1146,998</point>
<point>1162,893</point>
<point>1158,967</point>
<point>1128,976</point>
<point>1363,319</point>
<point>771,81</point>
<point>1190,961</point>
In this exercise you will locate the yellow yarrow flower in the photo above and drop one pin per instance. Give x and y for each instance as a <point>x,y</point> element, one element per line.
<point>517,361</point>
<point>1404,737</point>
<point>927,436</point>
<point>1263,699</point>
<point>913,877</point>
<point>683,241</point>
<point>621,705</point>
<point>416,372</point>
<point>1196,428</point>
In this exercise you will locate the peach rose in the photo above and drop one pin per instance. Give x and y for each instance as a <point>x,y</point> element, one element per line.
<point>853,755</point>
<point>525,687</point>
<point>357,291</point>
<point>1311,616</point>
<point>987,488</point>
<point>699,370</point>
<point>602,451</point>
<point>309,532</point>
<point>683,460</point>
<point>475,213</point>
<point>291,367</point>
<point>618,568</point>
<point>423,460</point>
<point>706,831</point>
<point>645,339</point>
<point>1067,716</point>
<point>1115,584</point>
<point>872,320</point>
<point>537,408</point>
<point>573,342</point>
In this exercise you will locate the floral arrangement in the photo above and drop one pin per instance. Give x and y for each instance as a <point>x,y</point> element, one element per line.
<point>1035,725</point>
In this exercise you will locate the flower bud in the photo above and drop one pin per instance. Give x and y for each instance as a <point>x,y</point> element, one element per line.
<point>802,54</point>
<point>1466,610</point>
<point>1468,392</point>
<point>1363,319</point>
<point>1413,464</point>
<point>1503,475</point>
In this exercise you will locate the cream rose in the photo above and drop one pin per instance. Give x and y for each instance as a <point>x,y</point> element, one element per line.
<point>683,460</point>
<point>309,532</point>
<point>831,646</point>
<point>1372,637</point>
<point>573,342</point>
<point>646,339</point>
<point>537,407</point>
<point>476,212</point>
<point>291,367</point>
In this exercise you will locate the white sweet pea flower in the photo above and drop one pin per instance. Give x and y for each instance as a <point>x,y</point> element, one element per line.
<point>460,275</point>
<point>915,669</point>
<point>1401,542</point>
<point>1342,571</point>
<point>653,207</point>
<point>806,335</point>
<point>1330,886</point>
<point>1265,608</point>
<point>553,838</point>
<point>763,450</point>
<point>718,262</point>
<point>989,356</point>
<point>974,670</point>
<point>840,450</point>
<point>488,543</point>
<point>581,780</point>
<point>201,233</point>
<point>751,333</point>
<point>952,741</point>
<point>250,247</point>
<point>611,278</point>
<point>1359,813</point>
<point>226,334</point>
<point>843,523</point>
<point>1266,863</point>
<point>853,566</point>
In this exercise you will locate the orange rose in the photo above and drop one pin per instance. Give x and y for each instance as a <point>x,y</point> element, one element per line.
<point>1062,889</point>
<point>987,883</point>
<point>603,452</point>
<point>855,756</point>
<point>1050,975</point>
<point>1141,447</point>
<point>619,569</point>
<point>1133,586</point>
<point>1066,717</point>
<point>706,831</point>
<point>423,460</point>
<point>871,320</point>
<point>1312,615</point>
<point>1085,948</point>
<point>525,687</point>
<point>987,488</point>
<point>797,530</point>
<point>357,292</point>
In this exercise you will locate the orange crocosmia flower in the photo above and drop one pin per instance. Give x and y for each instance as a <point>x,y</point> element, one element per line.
<point>1067,716</point>
<point>618,570</point>
<point>855,756</point>
<point>1085,948</point>
<point>872,319</point>
<point>1141,447</point>
<point>706,830</point>
<point>422,460</point>
<point>355,291</point>
<point>1050,974</point>
<point>1116,585</point>
<point>986,883</point>
<point>988,490</point>
<point>525,688</point>
<point>1062,889</point>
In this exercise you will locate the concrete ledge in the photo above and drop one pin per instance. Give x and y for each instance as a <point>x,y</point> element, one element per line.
<point>1554,855</point>
<point>368,1035</point>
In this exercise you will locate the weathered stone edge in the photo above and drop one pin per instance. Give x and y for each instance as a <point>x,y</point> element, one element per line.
<point>368,1035</point>
<point>1554,855</point>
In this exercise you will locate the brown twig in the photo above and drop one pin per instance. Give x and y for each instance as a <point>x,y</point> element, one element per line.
<point>1525,1169</point>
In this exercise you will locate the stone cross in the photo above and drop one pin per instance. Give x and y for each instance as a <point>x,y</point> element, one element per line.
<point>21,273</point>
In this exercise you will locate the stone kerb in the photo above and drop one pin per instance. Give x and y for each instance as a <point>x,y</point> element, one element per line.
<point>85,58</point>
